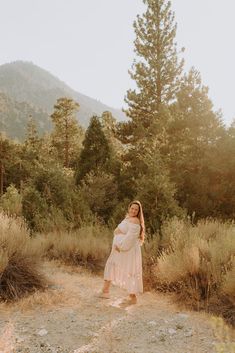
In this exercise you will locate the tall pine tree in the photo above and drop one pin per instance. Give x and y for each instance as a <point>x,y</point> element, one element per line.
<point>96,152</point>
<point>195,134</point>
<point>67,133</point>
<point>156,73</point>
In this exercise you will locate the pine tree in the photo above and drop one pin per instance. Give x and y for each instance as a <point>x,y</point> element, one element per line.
<point>67,133</point>
<point>156,73</point>
<point>32,137</point>
<point>32,143</point>
<point>194,136</point>
<point>109,126</point>
<point>96,153</point>
<point>2,163</point>
<point>10,163</point>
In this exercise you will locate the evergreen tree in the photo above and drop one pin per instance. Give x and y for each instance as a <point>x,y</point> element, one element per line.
<point>156,191</point>
<point>194,136</point>
<point>109,126</point>
<point>10,163</point>
<point>67,133</point>
<point>32,143</point>
<point>3,150</point>
<point>32,137</point>
<point>156,73</point>
<point>99,192</point>
<point>96,152</point>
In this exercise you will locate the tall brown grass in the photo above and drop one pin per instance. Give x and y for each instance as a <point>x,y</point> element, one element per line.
<point>88,246</point>
<point>198,263</point>
<point>19,260</point>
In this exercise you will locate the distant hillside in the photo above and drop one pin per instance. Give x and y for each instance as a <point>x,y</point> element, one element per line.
<point>27,89</point>
<point>14,117</point>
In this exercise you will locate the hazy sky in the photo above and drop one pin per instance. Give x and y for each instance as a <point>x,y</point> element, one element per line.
<point>89,43</point>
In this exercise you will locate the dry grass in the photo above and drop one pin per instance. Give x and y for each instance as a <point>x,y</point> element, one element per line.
<point>19,260</point>
<point>198,263</point>
<point>61,290</point>
<point>89,246</point>
<point>225,336</point>
<point>228,285</point>
<point>46,299</point>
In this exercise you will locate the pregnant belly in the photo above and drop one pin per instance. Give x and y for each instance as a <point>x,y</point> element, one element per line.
<point>117,239</point>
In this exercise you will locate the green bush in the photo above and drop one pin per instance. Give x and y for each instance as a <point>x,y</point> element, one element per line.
<point>11,201</point>
<point>34,208</point>
<point>52,202</point>
<point>99,192</point>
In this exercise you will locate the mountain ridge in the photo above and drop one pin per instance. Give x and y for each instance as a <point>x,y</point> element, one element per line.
<point>25,82</point>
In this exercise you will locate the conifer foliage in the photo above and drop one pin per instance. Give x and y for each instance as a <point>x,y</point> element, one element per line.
<point>157,70</point>
<point>96,153</point>
<point>66,129</point>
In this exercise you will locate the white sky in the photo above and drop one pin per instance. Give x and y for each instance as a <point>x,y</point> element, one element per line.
<point>89,43</point>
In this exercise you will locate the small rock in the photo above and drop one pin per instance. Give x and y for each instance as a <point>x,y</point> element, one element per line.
<point>152,323</point>
<point>54,286</point>
<point>162,338</point>
<point>153,339</point>
<point>189,333</point>
<point>117,338</point>
<point>182,316</point>
<point>179,326</point>
<point>171,331</point>
<point>42,332</point>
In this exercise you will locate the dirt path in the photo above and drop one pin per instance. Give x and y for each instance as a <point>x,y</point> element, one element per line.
<point>68,318</point>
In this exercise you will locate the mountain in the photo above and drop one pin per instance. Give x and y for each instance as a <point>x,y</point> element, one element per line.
<point>26,89</point>
<point>14,117</point>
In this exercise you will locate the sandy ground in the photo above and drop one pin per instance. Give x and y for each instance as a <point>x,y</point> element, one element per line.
<point>69,318</point>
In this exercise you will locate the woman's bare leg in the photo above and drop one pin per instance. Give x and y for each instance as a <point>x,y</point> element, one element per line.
<point>106,286</point>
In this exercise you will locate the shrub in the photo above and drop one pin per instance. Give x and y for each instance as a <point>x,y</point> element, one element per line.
<point>198,263</point>
<point>11,201</point>
<point>35,209</point>
<point>51,201</point>
<point>19,260</point>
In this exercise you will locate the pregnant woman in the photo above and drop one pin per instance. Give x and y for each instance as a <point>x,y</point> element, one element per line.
<point>124,265</point>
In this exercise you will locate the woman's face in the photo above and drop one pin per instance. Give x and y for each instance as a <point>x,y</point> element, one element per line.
<point>133,210</point>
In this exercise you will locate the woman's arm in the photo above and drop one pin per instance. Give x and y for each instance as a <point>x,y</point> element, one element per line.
<point>118,231</point>
<point>130,239</point>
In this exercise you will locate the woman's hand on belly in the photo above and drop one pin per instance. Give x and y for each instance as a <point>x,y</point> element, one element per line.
<point>116,248</point>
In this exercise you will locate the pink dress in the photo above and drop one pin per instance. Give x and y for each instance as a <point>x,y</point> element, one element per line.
<point>124,268</point>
